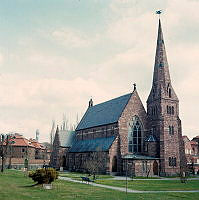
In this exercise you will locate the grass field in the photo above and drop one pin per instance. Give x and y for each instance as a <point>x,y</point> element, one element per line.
<point>15,186</point>
<point>156,185</point>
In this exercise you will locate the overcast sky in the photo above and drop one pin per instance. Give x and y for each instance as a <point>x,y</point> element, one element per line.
<point>55,55</point>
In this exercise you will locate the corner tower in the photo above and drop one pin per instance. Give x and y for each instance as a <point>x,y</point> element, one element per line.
<point>163,113</point>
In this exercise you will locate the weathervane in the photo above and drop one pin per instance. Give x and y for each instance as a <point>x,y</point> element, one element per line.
<point>158,12</point>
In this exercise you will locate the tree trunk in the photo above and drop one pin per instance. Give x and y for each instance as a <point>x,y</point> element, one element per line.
<point>2,163</point>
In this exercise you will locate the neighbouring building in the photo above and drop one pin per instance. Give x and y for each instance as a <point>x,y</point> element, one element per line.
<point>192,153</point>
<point>119,135</point>
<point>63,140</point>
<point>21,149</point>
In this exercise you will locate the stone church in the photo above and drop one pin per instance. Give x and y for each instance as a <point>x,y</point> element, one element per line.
<point>119,135</point>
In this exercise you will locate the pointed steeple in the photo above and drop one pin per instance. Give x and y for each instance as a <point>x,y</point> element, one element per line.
<point>161,86</point>
<point>161,67</point>
<point>54,158</point>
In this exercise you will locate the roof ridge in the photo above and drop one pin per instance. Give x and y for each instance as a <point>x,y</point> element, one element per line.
<point>112,99</point>
<point>107,112</point>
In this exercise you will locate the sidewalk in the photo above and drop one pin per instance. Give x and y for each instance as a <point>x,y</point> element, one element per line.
<point>124,189</point>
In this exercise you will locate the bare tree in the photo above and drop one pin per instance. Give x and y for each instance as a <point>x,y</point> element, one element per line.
<point>96,163</point>
<point>52,134</point>
<point>5,141</point>
<point>148,169</point>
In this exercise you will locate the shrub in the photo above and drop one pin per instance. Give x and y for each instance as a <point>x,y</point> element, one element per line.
<point>44,176</point>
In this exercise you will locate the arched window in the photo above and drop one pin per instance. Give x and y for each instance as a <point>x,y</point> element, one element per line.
<point>135,135</point>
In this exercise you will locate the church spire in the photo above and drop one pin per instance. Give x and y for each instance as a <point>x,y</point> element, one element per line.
<point>161,86</point>
<point>161,67</point>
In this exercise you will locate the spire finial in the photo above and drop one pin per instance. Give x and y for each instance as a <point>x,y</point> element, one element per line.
<point>90,103</point>
<point>134,86</point>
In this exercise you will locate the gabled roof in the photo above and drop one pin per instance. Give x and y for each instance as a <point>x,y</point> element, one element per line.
<point>104,113</point>
<point>92,145</point>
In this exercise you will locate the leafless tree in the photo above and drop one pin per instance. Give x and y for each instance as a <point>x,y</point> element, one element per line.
<point>96,163</point>
<point>5,141</point>
<point>148,169</point>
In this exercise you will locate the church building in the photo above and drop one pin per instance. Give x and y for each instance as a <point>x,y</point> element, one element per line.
<point>119,135</point>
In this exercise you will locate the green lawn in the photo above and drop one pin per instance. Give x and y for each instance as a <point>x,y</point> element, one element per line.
<point>144,177</point>
<point>153,184</point>
<point>76,176</point>
<point>15,186</point>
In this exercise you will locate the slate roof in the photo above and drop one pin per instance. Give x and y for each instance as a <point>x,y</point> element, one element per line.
<point>66,138</point>
<point>104,113</point>
<point>92,145</point>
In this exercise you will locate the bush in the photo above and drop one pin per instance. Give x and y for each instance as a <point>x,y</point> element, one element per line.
<point>44,176</point>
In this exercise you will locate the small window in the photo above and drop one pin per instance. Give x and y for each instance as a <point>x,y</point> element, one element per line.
<point>152,111</point>
<point>146,147</point>
<point>171,130</point>
<point>172,110</point>
<point>169,109</point>
<point>169,92</point>
<point>153,93</point>
<point>153,130</point>
<point>112,130</point>
<point>172,161</point>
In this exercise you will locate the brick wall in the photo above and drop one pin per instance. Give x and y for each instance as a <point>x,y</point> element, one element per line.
<point>133,108</point>
<point>98,132</point>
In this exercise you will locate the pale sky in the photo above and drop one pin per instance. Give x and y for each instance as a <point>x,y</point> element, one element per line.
<point>56,54</point>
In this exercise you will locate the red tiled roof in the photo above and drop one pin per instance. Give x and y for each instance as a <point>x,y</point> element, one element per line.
<point>36,144</point>
<point>19,140</point>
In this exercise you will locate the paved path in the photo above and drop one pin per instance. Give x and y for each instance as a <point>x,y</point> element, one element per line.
<point>121,188</point>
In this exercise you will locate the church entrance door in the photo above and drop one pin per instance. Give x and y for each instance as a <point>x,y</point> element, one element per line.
<point>155,168</point>
<point>114,164</point>
<point>64,161</point>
